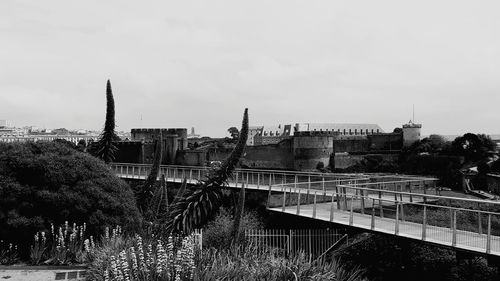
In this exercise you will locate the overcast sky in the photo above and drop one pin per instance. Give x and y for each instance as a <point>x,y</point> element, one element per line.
<point>200,63</point>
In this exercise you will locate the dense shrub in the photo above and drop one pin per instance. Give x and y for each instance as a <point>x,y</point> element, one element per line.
<point>48,182</point>
<point>386,258</point>
<point>218,233</point>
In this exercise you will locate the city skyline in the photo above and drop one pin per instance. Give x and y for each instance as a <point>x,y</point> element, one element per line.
<point>198,64</point>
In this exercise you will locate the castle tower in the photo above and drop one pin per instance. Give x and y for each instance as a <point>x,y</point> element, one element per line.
<point>411,133</point>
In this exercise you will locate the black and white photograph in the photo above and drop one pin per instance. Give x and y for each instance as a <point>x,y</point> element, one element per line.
<point>220,140</point>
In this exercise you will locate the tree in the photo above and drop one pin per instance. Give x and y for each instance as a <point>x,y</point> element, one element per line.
<point>105,149</point>
<point>473,147</point>
<point>197,206</point>
<point>48,182</point>
<point>233,131</point>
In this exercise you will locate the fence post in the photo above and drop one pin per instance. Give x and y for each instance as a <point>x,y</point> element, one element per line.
<point>424,224</point>
<point>396,227</point>
<point>331,209</point>
<point>314,207</point>
<point>298,203</point>
<point>488,237</point>
<point>454,235</point>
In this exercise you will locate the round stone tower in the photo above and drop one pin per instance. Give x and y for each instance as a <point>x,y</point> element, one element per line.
<point>411,133</point>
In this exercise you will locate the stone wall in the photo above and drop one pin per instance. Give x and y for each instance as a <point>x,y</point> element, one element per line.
<point>272,156</point>
<point>129,152</point>
<point>312,148</point>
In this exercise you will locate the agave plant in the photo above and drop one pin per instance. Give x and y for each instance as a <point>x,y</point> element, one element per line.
<point>195,208</point>
<point>146,191</point>
<point>104,148</point>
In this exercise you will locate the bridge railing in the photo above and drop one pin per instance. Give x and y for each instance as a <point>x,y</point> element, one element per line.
<point>470,223</point>
<point>256,178</point>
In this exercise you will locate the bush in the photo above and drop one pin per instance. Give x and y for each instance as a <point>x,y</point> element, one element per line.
<point>218,233</point>
<point>47,182</point>
<point>239,263</point>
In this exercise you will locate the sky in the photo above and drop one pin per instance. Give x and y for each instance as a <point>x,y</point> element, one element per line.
<point>200,63</point>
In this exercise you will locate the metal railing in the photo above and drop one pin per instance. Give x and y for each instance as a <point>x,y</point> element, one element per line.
<point>253,178</point>
<point>470,224</point>
<point>313,242</point>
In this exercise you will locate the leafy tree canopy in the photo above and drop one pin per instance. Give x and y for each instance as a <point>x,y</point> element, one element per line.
<point>49,182</point>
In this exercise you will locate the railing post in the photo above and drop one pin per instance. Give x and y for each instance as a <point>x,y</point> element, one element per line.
<point>268,197</point>
<point>488,237</point>
<point>190,174</point>
<point>373,215</point>
<point>396,227</point>
<point>480,223</point>
<point>175,174</point>
<point>284,202</point>
<point>298,203</point>
<point>361,191</point>
<point>237,174</point>
<point>351,215</point>
<point>424,224</point>
<point>454,229</point>
<point>331,209</point>
<point>247,179</point>
<point>345,197</point>
<point>337,195</point>
<point>258,180</point>
<point>380,200</point>
<point>314,207</point>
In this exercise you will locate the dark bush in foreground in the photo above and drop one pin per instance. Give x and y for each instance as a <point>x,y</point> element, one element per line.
<point>47,182</point>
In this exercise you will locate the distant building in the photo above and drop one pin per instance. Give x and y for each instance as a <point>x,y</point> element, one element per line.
<point>252,132</point>
<point>193,134</point>
<point>342,129</point>
<point>411,133</point>
<point>273,134</point>
<point>5,124</point>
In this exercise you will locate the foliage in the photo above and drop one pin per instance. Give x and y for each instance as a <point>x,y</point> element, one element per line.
<point>139,258</point>
<point>473,147</point>
<point>62,245</point>
<point>233,131</point>
<point>386,258</point>
<point>146,191</point>
<point>218,233</point>
<point>46,182</point>
<point>238,215</point>
<point>8,253</point>
<point>195,208</point>
<point>104,148</point>
<point>432,144</point>
<point>248,263</point>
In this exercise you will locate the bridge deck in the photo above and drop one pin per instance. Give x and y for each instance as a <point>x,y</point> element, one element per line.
<point>465,240</point>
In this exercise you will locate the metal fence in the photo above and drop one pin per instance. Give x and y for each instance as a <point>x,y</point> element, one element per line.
<point>313,242</point>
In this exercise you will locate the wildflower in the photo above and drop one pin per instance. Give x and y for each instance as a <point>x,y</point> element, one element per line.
<point>135,267</point>
<point>86,245</point>
<point>124,266</point>
<point>114,269</point>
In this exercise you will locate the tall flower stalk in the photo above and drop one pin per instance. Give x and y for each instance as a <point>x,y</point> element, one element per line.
<point>104,148</point>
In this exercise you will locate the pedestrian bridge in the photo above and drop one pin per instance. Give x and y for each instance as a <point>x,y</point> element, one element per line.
<point>400,205</point>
